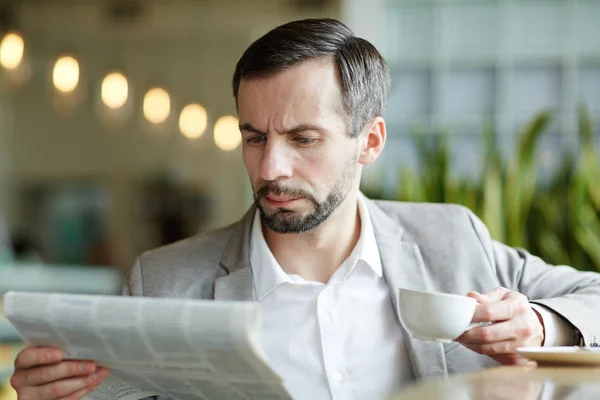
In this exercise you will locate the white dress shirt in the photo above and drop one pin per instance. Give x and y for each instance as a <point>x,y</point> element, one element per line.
<point>557,331</point>
<point>340,340</point>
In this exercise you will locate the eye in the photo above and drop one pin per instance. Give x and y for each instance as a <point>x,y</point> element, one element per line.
<point>255,139</point>
<point>304,141</point>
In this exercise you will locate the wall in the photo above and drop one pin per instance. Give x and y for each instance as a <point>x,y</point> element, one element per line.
<point>459,65</point>
<point>189,47</point>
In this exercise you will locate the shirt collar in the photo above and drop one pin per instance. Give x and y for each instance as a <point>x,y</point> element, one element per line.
<point>367,244</point>
<point>266,270</point>
<point>268,273</point>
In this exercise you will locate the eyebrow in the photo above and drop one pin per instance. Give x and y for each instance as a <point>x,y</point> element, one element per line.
<point>297,129</point>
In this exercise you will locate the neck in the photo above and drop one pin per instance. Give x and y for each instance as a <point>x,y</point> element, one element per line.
<point>317,254</point>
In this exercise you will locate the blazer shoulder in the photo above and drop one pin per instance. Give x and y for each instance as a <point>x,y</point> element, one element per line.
<point>184,269</point>
<point>424,222</point>
<point>435,213</point>
<point>202,250</point>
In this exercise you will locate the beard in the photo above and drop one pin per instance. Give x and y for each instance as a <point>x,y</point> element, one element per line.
<point>288,221</point>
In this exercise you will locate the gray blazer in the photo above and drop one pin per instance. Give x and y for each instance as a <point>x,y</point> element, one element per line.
<point>423,247</point>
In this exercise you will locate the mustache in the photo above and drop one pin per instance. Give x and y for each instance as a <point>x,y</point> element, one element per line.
<point>278,190</point>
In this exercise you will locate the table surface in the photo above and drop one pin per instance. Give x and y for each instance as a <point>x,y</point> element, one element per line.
<point>501,383</point>
<point>514,383</point>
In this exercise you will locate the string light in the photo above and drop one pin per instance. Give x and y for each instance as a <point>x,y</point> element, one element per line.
<point>12,48</point>
<point>227,133</point>
<point>192,121</point>
<point>157,105</point>
<point>115,90</point>
<point>65,74</point>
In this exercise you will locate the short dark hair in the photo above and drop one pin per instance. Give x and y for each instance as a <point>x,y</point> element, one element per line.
<point>364,74</point>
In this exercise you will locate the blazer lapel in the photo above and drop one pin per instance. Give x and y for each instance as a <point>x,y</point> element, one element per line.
<point>236,284</point>
<point>403,268</point>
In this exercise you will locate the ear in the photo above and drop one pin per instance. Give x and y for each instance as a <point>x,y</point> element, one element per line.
<point>374,141</point>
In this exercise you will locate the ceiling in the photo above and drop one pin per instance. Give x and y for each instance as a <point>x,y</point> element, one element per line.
<point>156,19</point>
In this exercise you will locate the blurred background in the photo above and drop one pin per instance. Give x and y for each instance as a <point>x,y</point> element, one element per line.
<point>118,131</point>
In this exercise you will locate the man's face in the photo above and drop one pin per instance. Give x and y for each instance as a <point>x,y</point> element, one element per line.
<point>301,162</point>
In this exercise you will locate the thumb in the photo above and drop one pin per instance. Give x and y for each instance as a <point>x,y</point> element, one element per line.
<point>481,298</point>
<point>498,293</point>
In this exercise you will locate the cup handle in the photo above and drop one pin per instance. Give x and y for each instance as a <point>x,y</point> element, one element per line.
<point>476,324</point>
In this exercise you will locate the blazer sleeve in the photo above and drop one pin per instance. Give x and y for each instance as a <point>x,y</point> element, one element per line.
<point>574,295</point>
<point>132,284</point>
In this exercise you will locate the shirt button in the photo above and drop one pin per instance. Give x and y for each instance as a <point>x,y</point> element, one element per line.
<point>336,376</point>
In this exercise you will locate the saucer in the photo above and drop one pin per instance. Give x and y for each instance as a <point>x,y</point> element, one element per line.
<point>571,355</point>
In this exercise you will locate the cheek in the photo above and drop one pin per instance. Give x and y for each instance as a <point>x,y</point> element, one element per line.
<point>321,170</point>
<point>251,163</point>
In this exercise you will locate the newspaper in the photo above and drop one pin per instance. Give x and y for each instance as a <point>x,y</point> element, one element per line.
<point>179,349</point>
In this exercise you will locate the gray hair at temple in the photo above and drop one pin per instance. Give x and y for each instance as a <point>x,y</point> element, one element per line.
<point>364,74</point>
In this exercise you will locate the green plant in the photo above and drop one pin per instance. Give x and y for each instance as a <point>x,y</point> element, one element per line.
<point>559,221</point>
<point>566,216</point>
<point>520,182</point>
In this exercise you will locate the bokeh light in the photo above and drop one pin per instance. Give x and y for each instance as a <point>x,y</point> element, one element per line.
<point>157,105</point>
<point>227,133</point>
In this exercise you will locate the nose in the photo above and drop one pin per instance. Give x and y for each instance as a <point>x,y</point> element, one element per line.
<point>275,162</point>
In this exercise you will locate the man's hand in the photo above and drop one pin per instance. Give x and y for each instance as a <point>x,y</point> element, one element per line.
<point>41,374</point>
<point>514,324</point>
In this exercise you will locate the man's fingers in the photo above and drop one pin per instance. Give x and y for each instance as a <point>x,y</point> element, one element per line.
<point>481,298</point>
<point>80,393</point>
<point>50,373</point>
<point>513,359</point>
<point>506,347</point>
<point>490,333</point>
<point>504,352</point>
<point>497,293</point>
<point>492,312</point>
<point>500,310</point>
<point>66,387</point>
<point>513,324</point>
<point>34,356</point>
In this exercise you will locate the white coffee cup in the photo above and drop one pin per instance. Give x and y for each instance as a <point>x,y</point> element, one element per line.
<point>441,317</point>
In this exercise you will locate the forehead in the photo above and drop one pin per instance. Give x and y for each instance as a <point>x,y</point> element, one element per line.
<point>310,89</point>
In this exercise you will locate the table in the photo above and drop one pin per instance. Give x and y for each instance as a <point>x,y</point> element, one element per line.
<point>514,383</point>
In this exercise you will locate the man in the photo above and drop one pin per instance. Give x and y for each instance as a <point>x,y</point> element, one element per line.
<point>323,261</point>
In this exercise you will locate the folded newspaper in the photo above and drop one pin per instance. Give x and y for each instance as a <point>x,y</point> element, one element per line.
<point>178,349</point>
